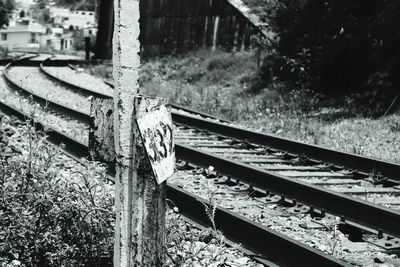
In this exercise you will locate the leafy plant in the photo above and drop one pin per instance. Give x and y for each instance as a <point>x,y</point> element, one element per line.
<point>338,48</point>
<point>50,217</point>
<point>187,245</point>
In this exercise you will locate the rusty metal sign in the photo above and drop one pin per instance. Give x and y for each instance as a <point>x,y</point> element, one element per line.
<point>156,130</point>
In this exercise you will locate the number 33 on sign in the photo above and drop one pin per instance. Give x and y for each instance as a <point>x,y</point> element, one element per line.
<point>156,130</point>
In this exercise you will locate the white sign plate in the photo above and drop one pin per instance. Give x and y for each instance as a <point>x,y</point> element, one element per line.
<point>156,130</point>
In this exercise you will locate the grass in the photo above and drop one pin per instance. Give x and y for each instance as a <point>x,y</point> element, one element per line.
<point>220,83</point>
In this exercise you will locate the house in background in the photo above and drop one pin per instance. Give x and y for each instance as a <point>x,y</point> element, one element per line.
<point>22,33</point>
<point>58,40</point>
<point>77,19</point>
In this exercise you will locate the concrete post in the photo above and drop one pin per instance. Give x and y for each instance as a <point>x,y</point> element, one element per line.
<point>139,200</point>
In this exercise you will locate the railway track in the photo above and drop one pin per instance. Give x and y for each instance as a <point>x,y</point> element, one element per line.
<point>192,208</point>
<point>280,171</point>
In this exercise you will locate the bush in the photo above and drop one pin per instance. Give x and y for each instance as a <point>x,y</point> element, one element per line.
<point>50,217</point>
<point>337,47</point>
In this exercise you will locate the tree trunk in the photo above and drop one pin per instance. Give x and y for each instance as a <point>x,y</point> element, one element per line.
<point>105,29</point>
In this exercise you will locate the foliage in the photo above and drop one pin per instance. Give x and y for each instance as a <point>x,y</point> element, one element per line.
<point>40,12</point>
<point>3,52</point>
<point>79,43</point>
<point>338,47</point>
<point>8,4</point>
<point>88,5</point>
<point>190,246</point>
<point>6,7</point>
<point>49,218</point>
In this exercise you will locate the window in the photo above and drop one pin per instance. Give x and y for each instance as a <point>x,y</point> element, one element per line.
<point>83,13</point>
<point>90,13</point>
<point>4,36</point>
<point>33,38</point>
<point>90,31</point>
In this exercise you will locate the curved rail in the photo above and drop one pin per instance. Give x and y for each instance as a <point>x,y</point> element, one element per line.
<point>76,114</point>
<point>66,83</point>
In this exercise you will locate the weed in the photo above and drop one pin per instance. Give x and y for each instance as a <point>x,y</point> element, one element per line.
<point>332,237</point>
<point>394,125</point>
<point>50,217</point>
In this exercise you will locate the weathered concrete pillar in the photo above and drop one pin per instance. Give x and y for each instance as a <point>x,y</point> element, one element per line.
<point>139,200</point>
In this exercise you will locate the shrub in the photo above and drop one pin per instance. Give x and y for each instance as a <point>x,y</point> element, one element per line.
<point>50,217</point>
<point>337,47</point>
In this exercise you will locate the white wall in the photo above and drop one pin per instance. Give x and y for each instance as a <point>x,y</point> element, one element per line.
<point>79,19</point>
<point>55,43</point>
<point>20,40</point>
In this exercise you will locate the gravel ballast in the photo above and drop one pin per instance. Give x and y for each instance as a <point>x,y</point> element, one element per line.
<point>33,80</point>
<point>64,124</point>
<point>298,226</point>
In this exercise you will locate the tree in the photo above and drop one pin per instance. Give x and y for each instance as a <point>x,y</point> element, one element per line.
<point>104,36</point>
<point>41,4</point>
<point>40,12</point>
<point>6,6</point>
<point>337,46</point>
<point>9,5</point>
<point>79,43</point>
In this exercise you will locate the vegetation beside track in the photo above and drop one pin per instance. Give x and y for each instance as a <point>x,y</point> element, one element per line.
<point>53,213</point>
<point>221,83</point>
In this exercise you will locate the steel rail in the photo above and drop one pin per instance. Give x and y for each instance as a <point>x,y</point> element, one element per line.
<point>355,162</point>
<point>83,89</point>
<point>68,84</point>
<point>52,63</point>
<point>269,244</point>
<point>76,114</point>
<point>360,212</point>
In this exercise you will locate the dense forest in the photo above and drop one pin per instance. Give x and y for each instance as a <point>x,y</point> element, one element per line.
<point>337,48</point>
